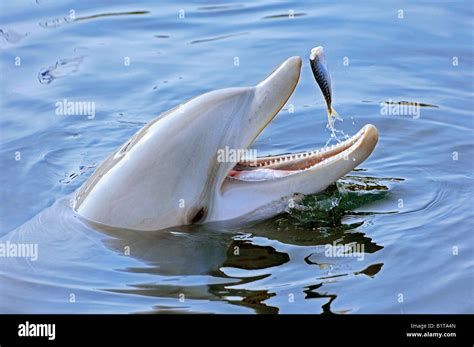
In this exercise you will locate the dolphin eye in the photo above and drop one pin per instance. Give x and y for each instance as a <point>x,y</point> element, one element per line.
<point>198,216</point>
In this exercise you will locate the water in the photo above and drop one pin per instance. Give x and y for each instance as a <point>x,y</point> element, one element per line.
<point>410,205</point>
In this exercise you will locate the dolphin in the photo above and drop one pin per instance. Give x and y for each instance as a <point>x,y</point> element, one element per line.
<point>169,174</point>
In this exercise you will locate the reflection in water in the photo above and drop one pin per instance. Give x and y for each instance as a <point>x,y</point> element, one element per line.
<point>220,7</point>
<point>222,37</point>
<point>243,255</point>
<point>57,22</point>
<point>311,293</point>
<point>285,15</point>
<point>371,270</point>
<point>112,14</point>
<point>237,266</point>
<point>402,103</point>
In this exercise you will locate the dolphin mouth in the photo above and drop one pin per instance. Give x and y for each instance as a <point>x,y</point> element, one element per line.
<point>274,167</point>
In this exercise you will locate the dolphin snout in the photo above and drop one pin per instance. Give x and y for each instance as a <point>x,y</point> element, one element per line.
<point>274,91</point>
<point>367,144</point>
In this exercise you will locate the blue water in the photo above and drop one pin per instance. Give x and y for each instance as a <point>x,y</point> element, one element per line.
<point>410,204</point>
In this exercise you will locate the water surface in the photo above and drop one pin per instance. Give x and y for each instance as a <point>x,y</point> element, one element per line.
<point>410,205</point>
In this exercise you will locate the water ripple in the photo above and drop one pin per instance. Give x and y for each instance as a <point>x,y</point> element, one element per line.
<point>63,67</point>
<point>12,36</point>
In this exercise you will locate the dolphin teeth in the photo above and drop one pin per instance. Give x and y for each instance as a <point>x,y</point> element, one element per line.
<point>317,153</point>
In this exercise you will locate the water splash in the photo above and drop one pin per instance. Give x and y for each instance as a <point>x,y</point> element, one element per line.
<point>325,211</point>
<point>335,133</point>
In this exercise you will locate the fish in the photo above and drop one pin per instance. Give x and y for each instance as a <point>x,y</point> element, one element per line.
<point>317,60</point>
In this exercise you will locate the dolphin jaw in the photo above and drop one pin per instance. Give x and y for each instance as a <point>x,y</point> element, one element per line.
<point>354,150</point>
<point>251,192</point>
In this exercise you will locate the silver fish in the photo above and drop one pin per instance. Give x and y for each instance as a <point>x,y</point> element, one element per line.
<point>317,60</point>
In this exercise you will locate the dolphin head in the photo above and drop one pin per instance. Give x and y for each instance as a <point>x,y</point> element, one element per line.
<point>174,172</point>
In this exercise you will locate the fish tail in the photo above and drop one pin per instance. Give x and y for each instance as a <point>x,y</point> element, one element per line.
<point>334,114</point>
